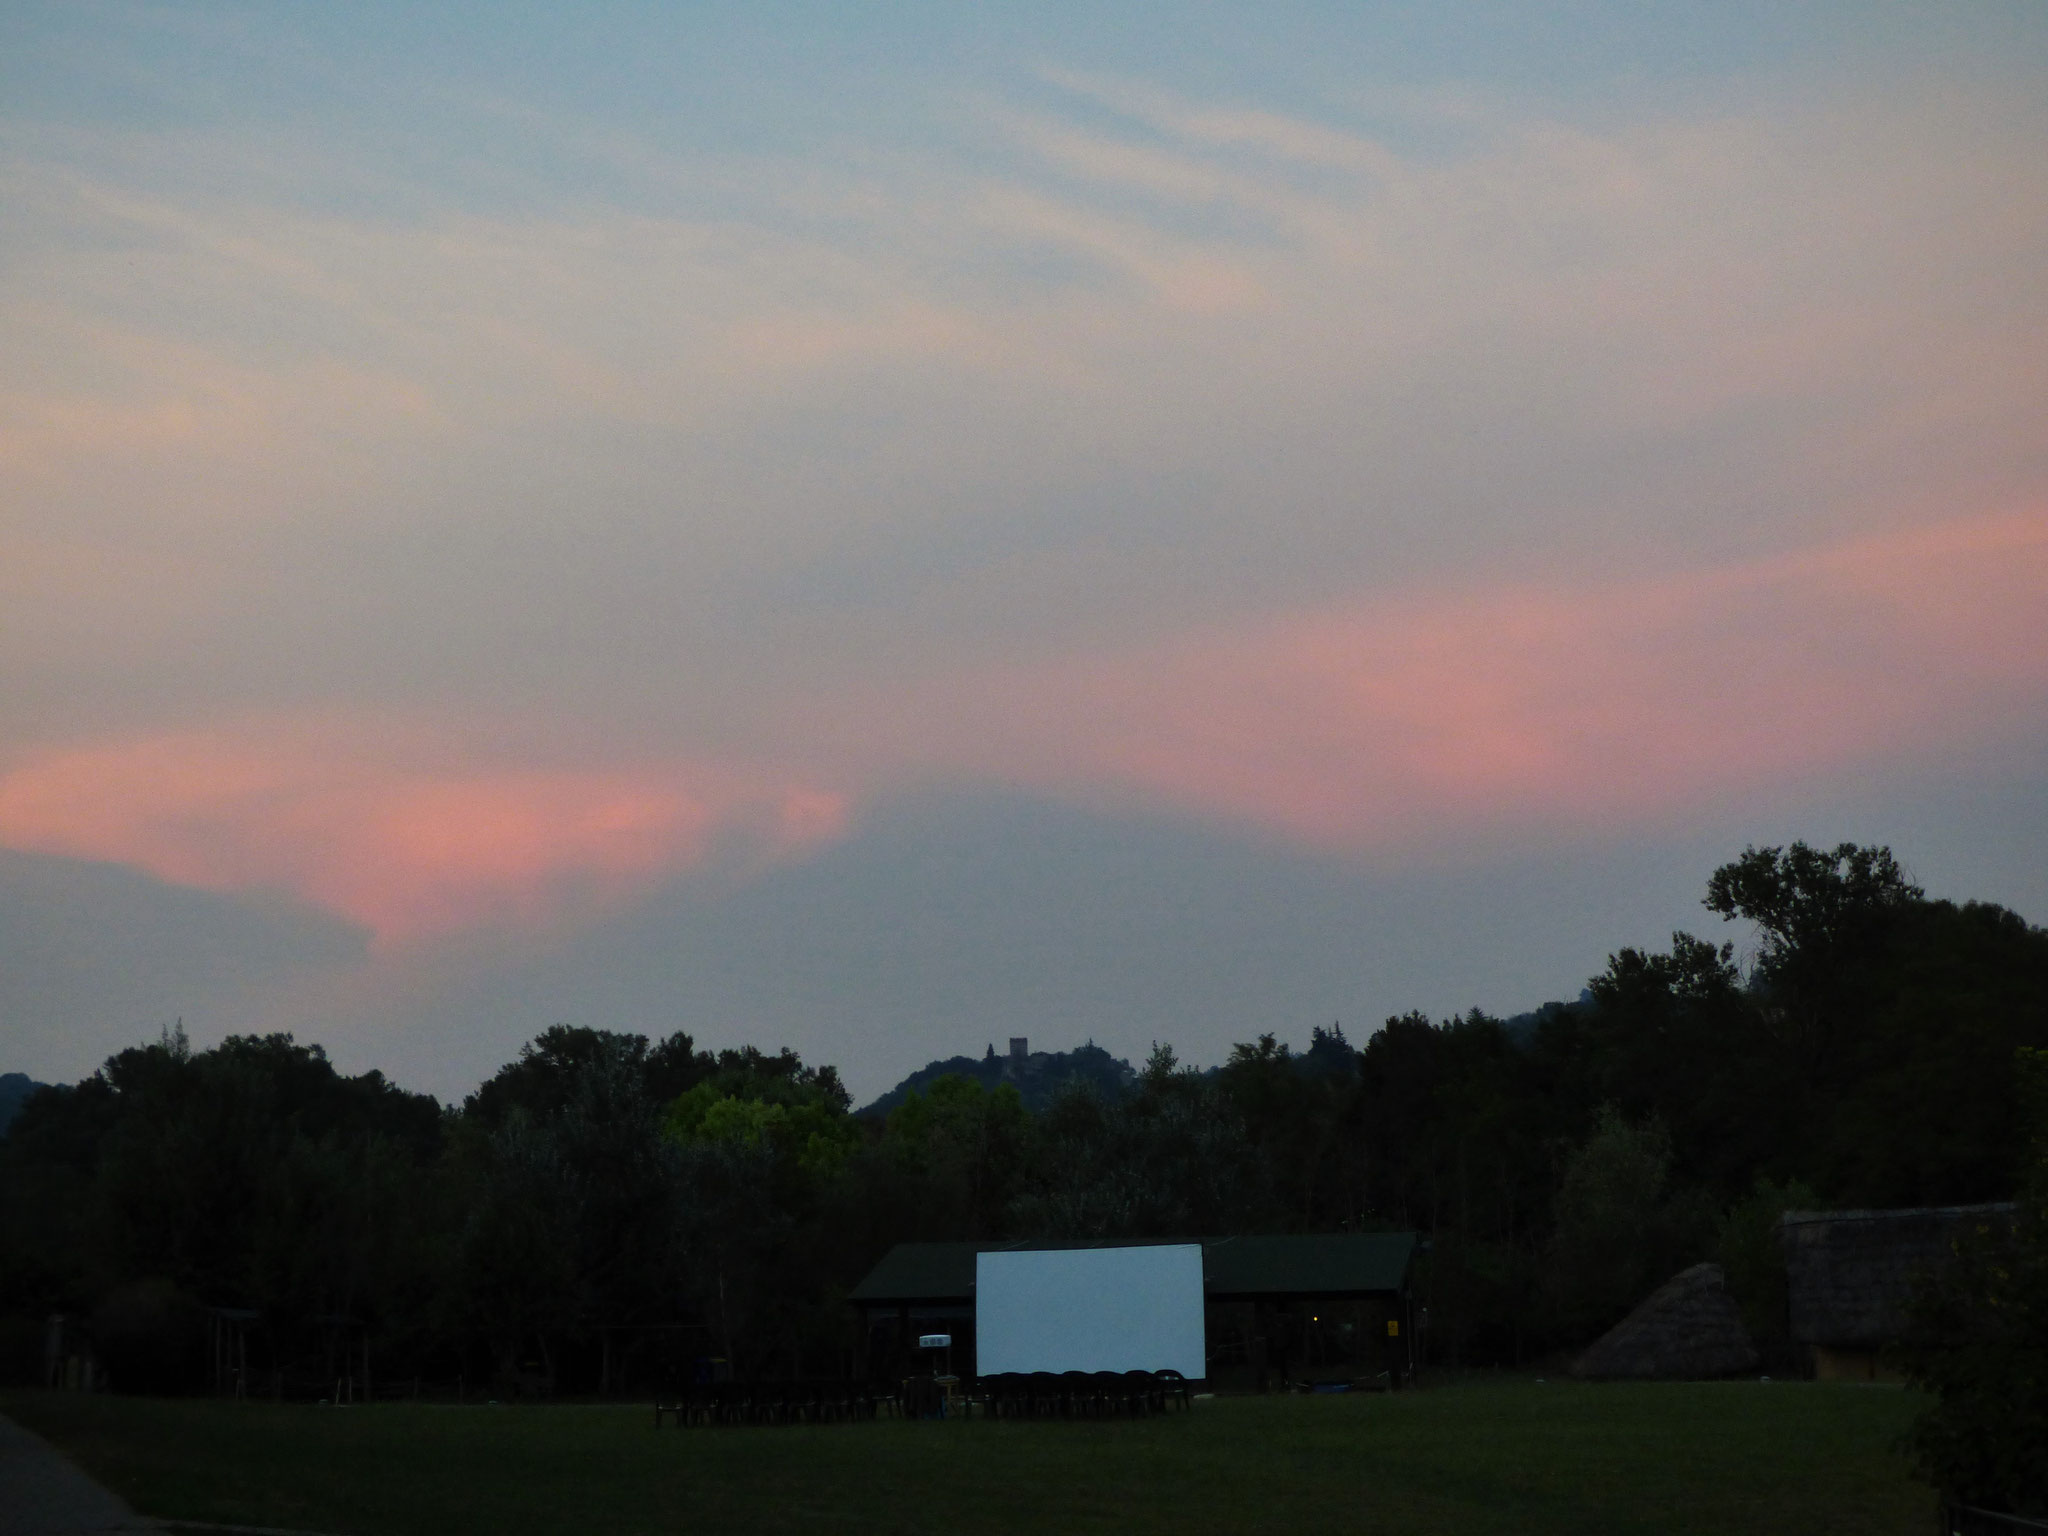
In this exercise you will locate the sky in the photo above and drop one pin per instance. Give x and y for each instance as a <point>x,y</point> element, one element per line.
<point>884,528</point>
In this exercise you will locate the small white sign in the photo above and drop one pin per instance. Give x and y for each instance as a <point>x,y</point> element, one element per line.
<point>935,1341</point>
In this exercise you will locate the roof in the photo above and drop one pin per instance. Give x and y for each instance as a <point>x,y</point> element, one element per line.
<point>1323,1265</point>
<point>923,1272</point>
<point>1850,1274</point>
<point>1316,1264</point>
<point>1690,1328</point>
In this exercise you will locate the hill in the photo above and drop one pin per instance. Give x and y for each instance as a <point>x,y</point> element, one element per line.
<point>1038,1076</point>
<point>15,1087</point>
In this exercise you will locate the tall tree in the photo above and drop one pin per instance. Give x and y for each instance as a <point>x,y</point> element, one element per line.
<point>1826,920</point>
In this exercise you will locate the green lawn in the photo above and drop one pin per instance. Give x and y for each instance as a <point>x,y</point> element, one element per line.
<point>1481,1456</point>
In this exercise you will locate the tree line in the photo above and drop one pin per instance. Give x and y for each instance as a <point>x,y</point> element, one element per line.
<point>607,1205</point>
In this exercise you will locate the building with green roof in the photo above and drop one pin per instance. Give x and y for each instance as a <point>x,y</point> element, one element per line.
<point>1283,1309</point>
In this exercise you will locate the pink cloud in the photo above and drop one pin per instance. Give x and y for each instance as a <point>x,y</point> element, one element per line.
<point>1387,719</point>
<point>1372,724</point>
<point>410,851</point>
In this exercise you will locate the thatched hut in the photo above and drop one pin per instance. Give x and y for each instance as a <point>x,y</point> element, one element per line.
<point>1689,1329</point>
<point>1850,1276</point>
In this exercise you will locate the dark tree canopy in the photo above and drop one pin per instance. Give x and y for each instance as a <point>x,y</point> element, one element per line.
<point>1828,921</point>
<point>606,1201</point>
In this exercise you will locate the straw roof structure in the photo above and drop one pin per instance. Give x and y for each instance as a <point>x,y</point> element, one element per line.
<point>1850,1274</point>
<point>1689,1329</point>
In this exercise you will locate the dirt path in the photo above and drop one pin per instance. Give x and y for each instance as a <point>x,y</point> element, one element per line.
<point>43,1494</point>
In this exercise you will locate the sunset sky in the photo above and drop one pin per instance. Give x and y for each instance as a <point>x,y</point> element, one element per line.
<point>882,528</point>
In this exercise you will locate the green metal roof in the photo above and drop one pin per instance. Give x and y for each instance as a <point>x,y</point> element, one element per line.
<point>1334,1264</point>
<point>1311,1264</point>
<point>923,1272</point>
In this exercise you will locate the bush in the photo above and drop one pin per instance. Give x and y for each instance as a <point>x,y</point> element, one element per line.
<point>151,1337</point>
<point>21,1349</point>
<point>1620,1233</point>
<point>1979,1344</point>
<point>1753,1259</point>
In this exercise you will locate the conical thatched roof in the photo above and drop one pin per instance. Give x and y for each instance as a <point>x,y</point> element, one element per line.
<point>1689,1328</point>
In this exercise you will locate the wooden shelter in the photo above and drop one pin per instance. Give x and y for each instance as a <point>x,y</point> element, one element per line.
<point>1289,1306</point>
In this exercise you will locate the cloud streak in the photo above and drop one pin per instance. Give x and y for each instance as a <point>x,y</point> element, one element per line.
<point>1374,727</point>
<point>1391,721</point>
<point>409,847</point>
<point>1371,490</point>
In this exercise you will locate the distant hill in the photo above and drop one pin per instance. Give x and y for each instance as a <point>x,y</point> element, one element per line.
<point>1523,1025</point>
<point>1038,1076</point>
<point>15,1087</point>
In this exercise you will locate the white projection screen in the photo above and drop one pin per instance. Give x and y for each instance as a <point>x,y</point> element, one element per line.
<point>1090,1309</point>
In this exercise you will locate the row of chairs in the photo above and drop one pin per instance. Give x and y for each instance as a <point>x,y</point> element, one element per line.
<point>770,1402</point>
<point>1081,1394</point>
<point>1007,1395</point>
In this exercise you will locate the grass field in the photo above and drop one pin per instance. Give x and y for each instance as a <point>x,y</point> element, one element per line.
<point>1480,1456</point>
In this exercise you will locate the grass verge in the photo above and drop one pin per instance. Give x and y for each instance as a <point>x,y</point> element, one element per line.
<point>1485,1456</point>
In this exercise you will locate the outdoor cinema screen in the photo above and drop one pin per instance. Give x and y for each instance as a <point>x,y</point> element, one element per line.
<point>1090,1309</point>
